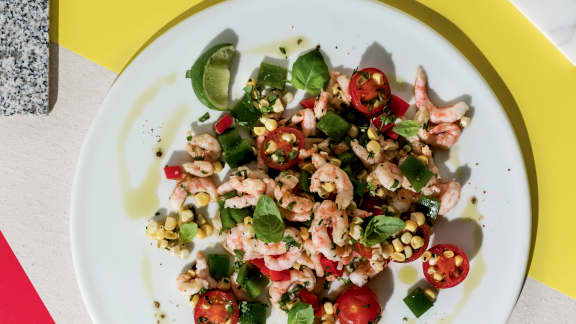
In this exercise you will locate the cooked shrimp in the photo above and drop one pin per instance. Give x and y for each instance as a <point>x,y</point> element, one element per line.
<point>304,278</point>
<point>444,135</point>
<point>321,105</point>
<point>331,173</point>
<point>199,168</point>
<point>288,259</point>
<point>296,217</point>
<point>190,285</point>
<point>260,161</point>
<point>403,199</point>
<point>438,115</point>
<point>306,118</point>
<point>328,215</point>
<point>204,147</point>
<point>342,81</point>
<point>311,258</point>
<point>339,148</point>
<point>362,153</point>
<point>319,159</point>
<point>285,182</point>
<point>242,238</point>
<point>387,175</point>
<point>449,196</point>
<point>362,274</point>
<point>360,213</point>
<point>248,187</point>
<point>190,186</point>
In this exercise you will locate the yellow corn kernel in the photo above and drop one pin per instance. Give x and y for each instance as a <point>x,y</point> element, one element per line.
<point>200,234</point>
<point>194,299</point>
<point>335,161</point>
<point>417,242</point>
<point>184,253</point>
<point>224,284</point>
<point>448,254</point>
<point>378,78</point>
<point>408,251</point>
<point>289,137</point>
<point>411,226</point>
<point>304,233</point>
<point>329,308</point>
<point>431,270</point>
<point>201,219</point>
<point>170,223</point>
<point>406,237</point>
<point>373,146</point>
<point>159,234</point>
<point>247,220</point>
<point>162,244</point>
<point>438,276</point>
<point>259,130</point>
<point>426,256</point>
<point>356,232</point>
<point>353,131</point>
<point>296,266</point>
<point>278,107</point>
<point>372,133</point>
<point>207,229</point>
<point>287,98</point>
<point>433,260</point>
<point>329,186</point>
<point>152,228</point>
<point>271,147</point>
<point>380,192</point>
<point>431,293</point>
<point>202,199</point>
<point>251,82</point>
<point>170,235</point>
<point>186,215</point>
<point>357,220</point>
<point>387,250</point>
<point>264,103</point>
<point>398,256</point>
<point>270,124</point>
<point>397,244</point>
<point>458,260</point>
<point>465,122</point>
<point>309,167</point>
<point>423,159</point>
<point>217,165</point>
<point>192,273</point>
<point>418,217</point>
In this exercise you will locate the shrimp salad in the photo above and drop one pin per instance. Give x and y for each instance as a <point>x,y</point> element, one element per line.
<point>318,197</point>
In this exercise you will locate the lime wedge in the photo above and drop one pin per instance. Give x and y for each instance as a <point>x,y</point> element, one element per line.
<point>210,76</point>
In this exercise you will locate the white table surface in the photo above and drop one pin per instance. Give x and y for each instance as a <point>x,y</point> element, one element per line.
<point>37,161</point>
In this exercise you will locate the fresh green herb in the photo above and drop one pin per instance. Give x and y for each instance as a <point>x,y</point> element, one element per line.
<point>219,265</point>
<point>310,72</point>
<point>371,187</point>
<point>386,119</point>
<point>229,309</point>
<point>204,117</point>
<point>301,313</point>
<point>188,138</point>
<point>244,111</point>
<point>267,221</point>
<point>407,128</point>
<point>248,89</point>
<point>280,156</point>
<point>272,99</point>
<point>416,172</point>
<point>418,302</point>
<point>395,184</point>
<point>239,254</point>
<point>290,242</point>
<point>187,232</point>
<point>282,50</point>
<point>371,154</point>
<point>292,155</point>
<point>202,319</point>
<point>380,228</point>
<point>273,76</point>
<point>291,205</point>
<point>305,180</point>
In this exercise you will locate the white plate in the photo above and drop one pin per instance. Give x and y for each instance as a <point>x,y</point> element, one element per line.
<point>120,273</point>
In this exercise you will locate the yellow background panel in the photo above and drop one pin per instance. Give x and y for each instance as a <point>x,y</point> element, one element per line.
<point>535,83</point>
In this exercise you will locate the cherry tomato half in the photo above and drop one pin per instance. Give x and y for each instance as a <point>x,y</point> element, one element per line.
<point>216,307</point>
<point>286,152</point>
<point>308,102</point>
<point>373,204</point>
<point>357,305</point>
<point>312,299</point>
<point>331,267</point>
<point>272,274</point>
<point>370,91</point>
<point>424,232</point>
<point>451,266</point>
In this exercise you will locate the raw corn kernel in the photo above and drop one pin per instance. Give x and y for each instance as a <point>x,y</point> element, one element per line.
<point>373,146</point>
<point>418,217</point>
<point>202,199</point>
<point>186,215</point>
<point>207,229</point>
<point>271,147</point>
<point>353,131</point>
<point>217,165</point>
<point>170,223</point>
<point>259,130</point>
<point>372,133</point>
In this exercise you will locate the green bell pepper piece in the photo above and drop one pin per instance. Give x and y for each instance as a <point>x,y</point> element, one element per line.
<point>219,265</point>
<point>334,126</point>
<point>418,302</point>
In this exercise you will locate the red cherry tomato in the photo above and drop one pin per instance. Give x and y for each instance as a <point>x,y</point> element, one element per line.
<point>424,232</point>
<point>223,124</point>
<point>308,103</point>
<point>363,250</point>
<point>217,307</point>
<point>370,91</point>
<point>331,267</point>
<point>288,152</point>
<point>398,107</point>
<point>272,274</point>
<point>173,172</point>
<point>451,273</point>
<point>357,305</point>
<point>309,298</point>
<point>373,204</point>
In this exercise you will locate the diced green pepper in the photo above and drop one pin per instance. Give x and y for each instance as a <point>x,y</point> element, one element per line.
<point>429,206</point>
<point>229,217</point>
<point>360,187</point>
<point>239,155</point>
<point>418,302</point>
<point>273,76</point>
<point>229,139</point>
<point>416,172</point>
<point>334,126</point>
<point>251,279</point>
<point>252,313</point>
<point>219,265</point>
<point>304,182</point>
<point>244,112</point>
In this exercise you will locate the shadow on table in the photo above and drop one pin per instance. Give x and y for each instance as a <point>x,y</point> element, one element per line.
<point>465,45</point>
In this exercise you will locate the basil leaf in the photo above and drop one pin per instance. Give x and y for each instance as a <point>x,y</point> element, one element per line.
<point>380,228</point>
<point>267,221</point>
<point>187,232</point>
<point>406,128</point>
<point>310,72</point>
<point>416,172</point>
<point>301,313</point>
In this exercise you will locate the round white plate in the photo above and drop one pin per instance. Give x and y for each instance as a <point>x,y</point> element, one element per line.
<point>119,270</point>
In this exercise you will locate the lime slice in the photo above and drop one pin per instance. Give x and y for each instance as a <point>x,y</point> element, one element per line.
<point>210,76</point>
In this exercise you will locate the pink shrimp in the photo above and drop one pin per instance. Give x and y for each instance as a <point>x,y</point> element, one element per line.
<point>331,173</point>
<point>342,82</point>
<point>306,118</point>
<point>319,159</point>
<point>304,277</point>
<point>242,238</point>
<point>360,213</point>
<point>444,135</point>
<point>189,284</point>
<point>403,199</point>
<point>260,162</point>
<point>248,186</point>
<point>190,186</point>
<point>199,168</point>
<point>285,182</point>
<point>327,215</point>
<point>363,154</point>
<point>311,258</point>
<point>288,259</point>
<point>362,274</point>
<point>321,105</point>
<point>449,196</point>
<point>204,147</point>
<point>387,175</point>
<point>438,115</point>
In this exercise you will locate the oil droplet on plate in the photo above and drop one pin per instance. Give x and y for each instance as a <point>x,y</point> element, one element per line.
<point>408,275</point>
<point>292,45</point>
<point>146,275</point>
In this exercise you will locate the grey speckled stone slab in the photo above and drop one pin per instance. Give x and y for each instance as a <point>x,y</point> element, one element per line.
<point>24,47</point>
